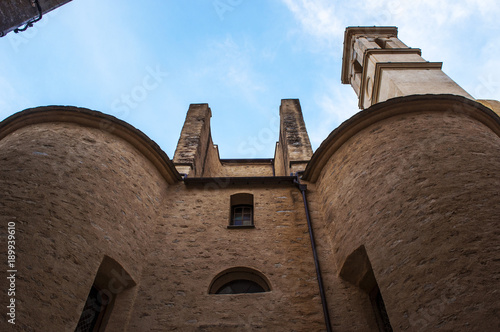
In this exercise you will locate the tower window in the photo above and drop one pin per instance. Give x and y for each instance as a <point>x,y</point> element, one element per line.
<point>241,215</point>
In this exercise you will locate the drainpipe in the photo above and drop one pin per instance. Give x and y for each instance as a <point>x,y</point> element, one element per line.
<point>303,188</point>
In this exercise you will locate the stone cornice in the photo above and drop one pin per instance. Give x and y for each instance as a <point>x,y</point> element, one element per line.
<point>395,107</point>
<point>224,182</point>
<point>97,120</point>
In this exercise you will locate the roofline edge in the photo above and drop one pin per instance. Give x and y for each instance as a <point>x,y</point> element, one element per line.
<point>98,120</point>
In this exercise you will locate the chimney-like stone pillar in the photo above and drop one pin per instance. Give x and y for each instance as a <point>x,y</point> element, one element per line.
<point>293,151</point>
<point>189,157</point>
<point>380,67</point>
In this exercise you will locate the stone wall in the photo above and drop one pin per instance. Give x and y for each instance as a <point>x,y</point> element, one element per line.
<point>248,168</point>
<point>419,189</point>
<point>75,195</point>
<point>349,307</point>
<point>413,181</point>
<point>194,244</point>
<point>81,196</point>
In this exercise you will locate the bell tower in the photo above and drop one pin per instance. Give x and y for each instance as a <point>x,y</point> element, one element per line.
<point>379,66</point>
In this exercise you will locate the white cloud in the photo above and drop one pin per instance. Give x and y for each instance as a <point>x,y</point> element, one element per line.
<point>489,9</point>
<point>323,20</point>
<point>440,13</point>
<point>327,20</point>
<point>319,18</point>
<point>454,32</point>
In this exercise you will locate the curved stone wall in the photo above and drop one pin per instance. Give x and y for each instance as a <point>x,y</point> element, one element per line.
<point>419,188</point>
<point>76,194</point>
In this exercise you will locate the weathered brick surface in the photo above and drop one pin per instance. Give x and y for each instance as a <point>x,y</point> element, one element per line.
<point>75,194</point>
<point>247,169</point>
<point>78,193</point>
<point>194,245</point>
<point>349,306</point>
<point>421,192</point>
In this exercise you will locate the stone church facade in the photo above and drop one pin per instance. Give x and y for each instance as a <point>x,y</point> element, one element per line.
<point>391,224</point>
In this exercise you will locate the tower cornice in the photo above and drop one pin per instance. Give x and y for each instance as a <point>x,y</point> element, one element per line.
<point>348,40</point>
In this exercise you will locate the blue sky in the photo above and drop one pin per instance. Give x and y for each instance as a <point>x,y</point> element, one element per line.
<point>145,62</point>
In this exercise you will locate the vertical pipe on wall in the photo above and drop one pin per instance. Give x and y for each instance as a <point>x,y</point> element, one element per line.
<point>303,188</point>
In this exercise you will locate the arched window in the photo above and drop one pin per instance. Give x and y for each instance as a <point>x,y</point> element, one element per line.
<point>240,286</point>
<point>241,211</point>
<point>239,280</point>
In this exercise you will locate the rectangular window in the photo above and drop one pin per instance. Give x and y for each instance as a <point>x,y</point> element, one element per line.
<point>241,212</point>
<point>242,215</point>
